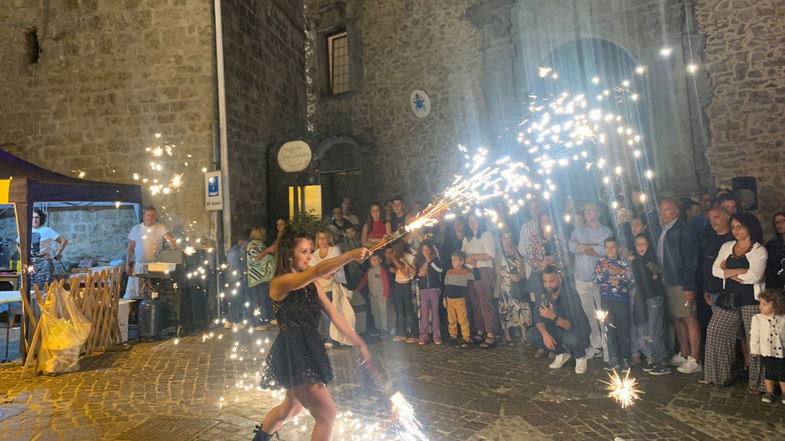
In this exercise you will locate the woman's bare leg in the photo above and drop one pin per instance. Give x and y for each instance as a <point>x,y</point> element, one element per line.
<point>288,408</point>
<point>317,400</point>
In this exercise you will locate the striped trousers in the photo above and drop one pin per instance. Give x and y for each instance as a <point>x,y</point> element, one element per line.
<point>724,328</point>
<point>480,296</point>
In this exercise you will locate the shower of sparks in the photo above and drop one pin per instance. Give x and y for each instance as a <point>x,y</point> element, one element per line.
<point>410,428</point>
<point>601,315</point>
<point>623,390</point>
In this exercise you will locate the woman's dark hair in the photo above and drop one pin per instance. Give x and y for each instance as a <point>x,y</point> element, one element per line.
<point>41,216</point>
<point>777,235</point>
<point>286,243</point>
<point>649,251</point>
<point>434,252</point>
<point>369,222</point>
<point>751,223</point>
<point>776,298</point>
<point>480,227</point>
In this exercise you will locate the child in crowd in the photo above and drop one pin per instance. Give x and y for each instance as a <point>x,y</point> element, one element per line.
<point>767,339</point>
<point>377,280</point>
<point>612,274</point>
<point>651,293</point>
<point>407,328</point>
<point>429,280</point>
<point>456,289</point>
<point>392,314</point>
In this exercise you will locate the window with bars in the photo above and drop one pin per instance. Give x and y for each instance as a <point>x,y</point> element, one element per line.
<point>338,59</point>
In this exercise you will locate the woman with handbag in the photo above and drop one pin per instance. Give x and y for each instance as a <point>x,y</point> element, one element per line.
<point>741,264</point>
<point>514,303</point>
<point>260,268</point>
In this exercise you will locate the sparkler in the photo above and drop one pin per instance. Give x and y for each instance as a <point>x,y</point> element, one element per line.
<point>623,390</point>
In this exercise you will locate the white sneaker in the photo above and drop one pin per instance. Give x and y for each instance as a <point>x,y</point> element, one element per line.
<point>690,367</point>
<point>593,352</point>
<point>678,360</point>
<point>328,346</point>
<point>559,361</point>
<point>581,365</point>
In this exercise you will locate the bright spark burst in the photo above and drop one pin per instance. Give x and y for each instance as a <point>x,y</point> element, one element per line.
<point>600,315</point>
<point>404,413</point>
<point>623,390</point>
<point>543,71</point>
<point>189,251</point>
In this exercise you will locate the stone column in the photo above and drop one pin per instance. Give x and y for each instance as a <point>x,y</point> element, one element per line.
<point>492,17</point>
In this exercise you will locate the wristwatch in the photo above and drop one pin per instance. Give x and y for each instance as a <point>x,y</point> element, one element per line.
<point>555,319</point>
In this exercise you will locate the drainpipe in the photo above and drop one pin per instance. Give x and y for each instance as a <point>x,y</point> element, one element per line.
<point>223,142</point>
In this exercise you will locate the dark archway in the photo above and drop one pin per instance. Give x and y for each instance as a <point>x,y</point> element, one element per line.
<point>342,173</point>
<point>578,63</point>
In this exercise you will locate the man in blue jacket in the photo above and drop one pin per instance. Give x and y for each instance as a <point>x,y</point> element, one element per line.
<point>677,249</point>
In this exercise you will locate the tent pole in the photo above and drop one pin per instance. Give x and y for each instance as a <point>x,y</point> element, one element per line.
<point>24,216</point>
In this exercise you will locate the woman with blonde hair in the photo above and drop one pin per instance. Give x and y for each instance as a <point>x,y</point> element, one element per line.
<point>260,271</point>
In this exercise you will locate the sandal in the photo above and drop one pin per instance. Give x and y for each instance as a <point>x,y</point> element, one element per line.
<point>488,343</point>
<point>703,381</point>
<point>478,338</point>
<point>261,435</point>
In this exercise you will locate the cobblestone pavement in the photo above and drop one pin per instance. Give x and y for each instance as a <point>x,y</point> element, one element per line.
<point>196,390</point>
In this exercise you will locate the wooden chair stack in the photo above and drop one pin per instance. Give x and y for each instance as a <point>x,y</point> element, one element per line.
<point>97,297</point>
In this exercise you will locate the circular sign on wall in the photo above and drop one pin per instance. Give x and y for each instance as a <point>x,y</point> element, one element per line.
<point>420,103</point>
<point>294,156</point>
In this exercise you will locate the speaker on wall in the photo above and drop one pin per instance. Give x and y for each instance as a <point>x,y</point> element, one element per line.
<point>746,190</point>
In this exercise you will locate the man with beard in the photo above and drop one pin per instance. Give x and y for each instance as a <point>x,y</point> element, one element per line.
<point>559,323</point>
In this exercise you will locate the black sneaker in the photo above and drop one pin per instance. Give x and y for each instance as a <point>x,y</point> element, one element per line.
<point>658,369</point>
<point>462,343</point>
<point>767,398</point>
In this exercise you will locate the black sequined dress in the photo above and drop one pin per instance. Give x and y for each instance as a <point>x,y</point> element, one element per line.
<point>297,355</point>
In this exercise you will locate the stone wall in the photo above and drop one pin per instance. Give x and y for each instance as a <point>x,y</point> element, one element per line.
<point>265,94</point>
<point>405,45</point>
<point>745,60</point>
<point>98,233</point>
<point>109,76</point>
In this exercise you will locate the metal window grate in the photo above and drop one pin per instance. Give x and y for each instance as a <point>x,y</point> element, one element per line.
<point>338,55</point>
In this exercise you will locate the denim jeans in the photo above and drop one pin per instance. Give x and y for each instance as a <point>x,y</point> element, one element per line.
<point>655,308</point>
<point>618,330</point>
<point>566,341</point>
<point>406,323</point>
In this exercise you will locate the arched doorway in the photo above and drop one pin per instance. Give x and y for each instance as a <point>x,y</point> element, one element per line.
<point>591,66</point>
<point>341,168</point>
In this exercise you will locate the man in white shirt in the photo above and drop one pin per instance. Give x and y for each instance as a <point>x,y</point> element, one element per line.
<point>145,241</point>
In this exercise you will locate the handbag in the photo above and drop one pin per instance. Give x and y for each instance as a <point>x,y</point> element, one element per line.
<point>728,299</point>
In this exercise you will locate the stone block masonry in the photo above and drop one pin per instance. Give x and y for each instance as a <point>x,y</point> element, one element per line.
<point>745,60</point>
<point>407,45</point>
<point>264,53</point>
<point>109,75</point>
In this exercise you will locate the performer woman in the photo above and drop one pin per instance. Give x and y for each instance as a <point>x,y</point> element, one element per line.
<point>297,360</point>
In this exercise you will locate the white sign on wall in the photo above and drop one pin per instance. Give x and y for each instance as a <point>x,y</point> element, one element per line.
<point>213,191</point>
<point>294,156</point>
<point>420,103</point>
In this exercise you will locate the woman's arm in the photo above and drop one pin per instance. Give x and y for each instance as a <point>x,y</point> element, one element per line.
<point>63,242</point>
<point>757,258</point>
<point>340,322</point>
<point>364,237</point>
<point>716,269</point>
<point>281,285</point>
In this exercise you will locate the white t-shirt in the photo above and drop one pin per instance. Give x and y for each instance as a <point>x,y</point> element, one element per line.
<point>480,245</point>
<point>41,241</point>
<point>400,277</point>
<point>149,241</point>
<point>333,251</point>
